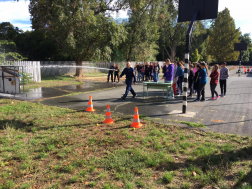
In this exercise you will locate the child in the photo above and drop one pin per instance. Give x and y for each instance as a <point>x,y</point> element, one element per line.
<point>214,81</point>
<point>180,75</point>
<point>202,82</point>
<point>196,78</point>
<point>224,74</point>
<point>116,73</point>
<point>143,71</point>
<point>174,84</point>
<point>190,79</point>
<point>195,68</point>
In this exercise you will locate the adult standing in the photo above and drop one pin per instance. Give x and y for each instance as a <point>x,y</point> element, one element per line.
<point>117,70</point>
<point>129,72</point>
<point>111,70</point>
<point>168,75</point>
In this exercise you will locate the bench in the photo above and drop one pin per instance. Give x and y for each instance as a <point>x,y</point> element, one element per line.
<point>155,85</point>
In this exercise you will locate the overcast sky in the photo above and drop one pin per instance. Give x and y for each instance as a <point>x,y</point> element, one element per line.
<point>18,13</point>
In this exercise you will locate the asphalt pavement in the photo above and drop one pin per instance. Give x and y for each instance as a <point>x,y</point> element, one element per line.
<point>230,114</point>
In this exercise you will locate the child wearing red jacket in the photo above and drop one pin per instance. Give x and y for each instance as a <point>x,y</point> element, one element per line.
<point>214,81</point>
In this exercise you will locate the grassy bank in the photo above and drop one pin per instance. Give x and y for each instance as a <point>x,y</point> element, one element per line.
<point>51,147</point>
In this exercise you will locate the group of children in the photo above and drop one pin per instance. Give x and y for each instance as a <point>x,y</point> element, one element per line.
<point>197,79</point>
<point>146,72</point>
<point>174,73</point>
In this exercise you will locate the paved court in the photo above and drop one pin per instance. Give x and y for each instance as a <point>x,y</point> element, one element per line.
<point>231,114</point>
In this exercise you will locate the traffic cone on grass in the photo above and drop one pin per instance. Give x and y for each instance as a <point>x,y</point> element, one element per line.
<point>136,122</point>
<point>90,105</point>
<point>108,119</point>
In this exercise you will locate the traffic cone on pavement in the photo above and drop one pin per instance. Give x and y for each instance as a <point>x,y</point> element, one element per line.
<point>90,105</point>
<point>108,119</point>
<point>136,122</point>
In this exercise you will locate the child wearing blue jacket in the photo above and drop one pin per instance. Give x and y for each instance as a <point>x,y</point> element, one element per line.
<point>202,82</point>
<point>180,75</point>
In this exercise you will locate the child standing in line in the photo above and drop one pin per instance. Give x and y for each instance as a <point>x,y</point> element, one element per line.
<point>190,79</point>
<point>224,74</point>
<point>196,79</point>
<point>214,81</point>
<point>180,75</point>
<point>142,71</point>
<point>202,82</point>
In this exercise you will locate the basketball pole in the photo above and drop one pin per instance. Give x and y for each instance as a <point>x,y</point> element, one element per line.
<point>187,55</point>
<point>240,65</point>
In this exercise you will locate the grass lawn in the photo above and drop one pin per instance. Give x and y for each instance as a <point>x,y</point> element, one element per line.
<point>61,80</point>
<point>50,147</point>
<point>54,81</point>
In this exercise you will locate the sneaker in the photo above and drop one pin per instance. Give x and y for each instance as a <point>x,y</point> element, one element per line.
<point>212,98</point>
<point>218,97</point>
<point>202,100</point>
<point>224,95</point>
<point>189,96</point>
<point>221,95</point>
<point>196,100</point>
<point>134,96</point>
<point>123,98</point>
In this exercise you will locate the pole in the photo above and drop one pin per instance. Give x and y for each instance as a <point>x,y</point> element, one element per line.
<point>187,54</point>
<point>239,71</point>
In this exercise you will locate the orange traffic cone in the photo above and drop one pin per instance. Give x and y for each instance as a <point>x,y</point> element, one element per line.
<point>108,119</point>
<point>90,105</point>
<point>136,122</point>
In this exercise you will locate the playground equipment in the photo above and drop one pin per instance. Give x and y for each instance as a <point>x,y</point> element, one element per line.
<point>10,79</point>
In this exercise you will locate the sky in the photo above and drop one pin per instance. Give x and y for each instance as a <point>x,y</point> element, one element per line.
<point>17,13</point>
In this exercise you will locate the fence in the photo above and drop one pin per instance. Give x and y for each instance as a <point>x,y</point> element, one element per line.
<point>38,69</point>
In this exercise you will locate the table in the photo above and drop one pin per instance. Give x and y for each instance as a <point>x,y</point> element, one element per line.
<point>155,85</point>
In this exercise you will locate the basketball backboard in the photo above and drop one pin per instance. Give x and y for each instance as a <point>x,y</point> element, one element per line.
<point>208,9</point>
<point>240,46</point>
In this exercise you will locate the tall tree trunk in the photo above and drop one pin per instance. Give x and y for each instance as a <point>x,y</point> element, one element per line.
<point>78,62</point>
<point>173,54</point>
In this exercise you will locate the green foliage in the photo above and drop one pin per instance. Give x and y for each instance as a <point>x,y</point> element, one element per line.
<point>142,30</point>
<point>223,37</point>
<point>83,28</point>
<point>26,77</point>
<point>7,51</point>
<point>195,57</point>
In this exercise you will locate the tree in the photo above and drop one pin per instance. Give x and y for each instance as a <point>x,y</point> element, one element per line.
<point>195,57</point>
<point>223,37</point>
<point>82,28</point>
<point>142,30</point>
<point>8,31</point>
<point>173,32</point>
<point>7,51</point>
